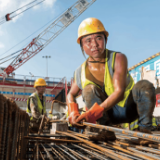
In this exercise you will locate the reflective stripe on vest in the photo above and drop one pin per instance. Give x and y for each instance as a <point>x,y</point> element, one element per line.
<point>134,124</point>
<point>109,88</point>
<point>40,107</point>
<point>154,122</point>
<point>125,125</point>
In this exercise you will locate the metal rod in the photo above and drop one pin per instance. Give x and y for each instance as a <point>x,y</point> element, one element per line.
<point>84,145</point>
<point>48,154</point>
<point>129,156</point>
<point>52,140</point>
<point>119,147</point>
<point>79,134</point>
<point>46,135</point>
<point>86,150</point>
<point>66,152</point>
<point>75,153</point>
<point>150,157</point>
<point>57,152</point>
<point>124,150</point>
<point>37,151</point>
<point>138,147</point>
<point>154,146</point>
<point>64,155</point>
<point>108,152</point>
<point>42,155</point>
<point>146,136</point>
<point>148,149</point>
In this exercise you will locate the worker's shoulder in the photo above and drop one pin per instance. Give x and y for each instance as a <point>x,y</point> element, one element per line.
<point>78,70</point>
<point>120,57</point>
<point>33,95</point>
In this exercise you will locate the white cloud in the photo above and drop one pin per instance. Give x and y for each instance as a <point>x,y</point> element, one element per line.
<point>1,45</point>
<point>49,3</point>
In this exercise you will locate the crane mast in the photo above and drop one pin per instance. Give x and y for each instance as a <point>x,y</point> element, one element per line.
<point>50,33</point>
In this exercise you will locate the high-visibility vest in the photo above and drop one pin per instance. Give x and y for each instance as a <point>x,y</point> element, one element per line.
<point>134,124</point>
<point>41,108</point>
<point>125,125</point>
<point>109,71</point>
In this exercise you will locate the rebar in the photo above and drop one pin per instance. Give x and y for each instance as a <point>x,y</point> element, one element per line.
<point>80,155</point>
<point>47,152</point>
<point>146,136</point>
<point>92,153</point>
<point>66,152</point>
<point>108,152</point>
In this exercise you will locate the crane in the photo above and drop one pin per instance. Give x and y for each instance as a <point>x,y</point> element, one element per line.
<point>47,35</point>
<point>10,16</point>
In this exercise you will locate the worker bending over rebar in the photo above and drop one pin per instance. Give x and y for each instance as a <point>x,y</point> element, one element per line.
<point>108,90</point>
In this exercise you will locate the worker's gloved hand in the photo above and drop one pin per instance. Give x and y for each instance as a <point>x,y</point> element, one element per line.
<point>94,113</point>
<point>47,119</point>
<point>73,112</point>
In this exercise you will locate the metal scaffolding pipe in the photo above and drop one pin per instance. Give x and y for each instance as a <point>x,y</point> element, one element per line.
<point>146,136</point>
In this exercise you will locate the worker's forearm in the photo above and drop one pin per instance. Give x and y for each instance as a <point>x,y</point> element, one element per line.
<point>112,100</point>
<point>70,98</point>
<point>35,114</point>
<point>34,109</point>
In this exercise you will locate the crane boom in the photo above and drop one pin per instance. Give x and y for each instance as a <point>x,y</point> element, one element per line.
<point>51,32</point>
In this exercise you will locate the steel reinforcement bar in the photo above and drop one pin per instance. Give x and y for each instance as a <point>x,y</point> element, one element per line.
<point>142,135</point>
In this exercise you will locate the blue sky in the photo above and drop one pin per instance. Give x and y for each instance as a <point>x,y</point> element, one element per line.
<point>133,26</point>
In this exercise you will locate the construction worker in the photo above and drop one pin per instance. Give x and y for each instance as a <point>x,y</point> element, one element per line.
<point>108,90</point>
<point>36,104</point>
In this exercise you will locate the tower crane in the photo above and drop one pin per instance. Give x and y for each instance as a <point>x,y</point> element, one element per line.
<point>50,33</point>
<point>10,16</point>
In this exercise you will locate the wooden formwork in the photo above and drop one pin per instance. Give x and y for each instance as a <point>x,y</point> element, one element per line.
<point>14,124</point>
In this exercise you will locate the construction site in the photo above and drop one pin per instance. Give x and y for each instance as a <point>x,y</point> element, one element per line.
<point>68,129</point>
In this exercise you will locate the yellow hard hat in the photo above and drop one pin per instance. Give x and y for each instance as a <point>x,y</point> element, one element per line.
<point>40,82</point>
<point>89,26</point>
<point>50,112</point>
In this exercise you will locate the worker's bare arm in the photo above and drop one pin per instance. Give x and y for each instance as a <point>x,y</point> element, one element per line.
<point>72,93</point>
<point>34,109</point>
<point>119,82</point>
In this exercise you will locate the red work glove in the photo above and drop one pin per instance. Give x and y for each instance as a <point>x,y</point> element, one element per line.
<point>73,112</point>
<point>94,113</point>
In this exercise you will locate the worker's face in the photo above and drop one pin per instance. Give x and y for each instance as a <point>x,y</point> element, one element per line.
<point>40,89</point>
<point>94,45</point>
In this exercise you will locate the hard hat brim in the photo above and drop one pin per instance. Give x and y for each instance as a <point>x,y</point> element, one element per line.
<point>79,38</point>
<point>39,86</point>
